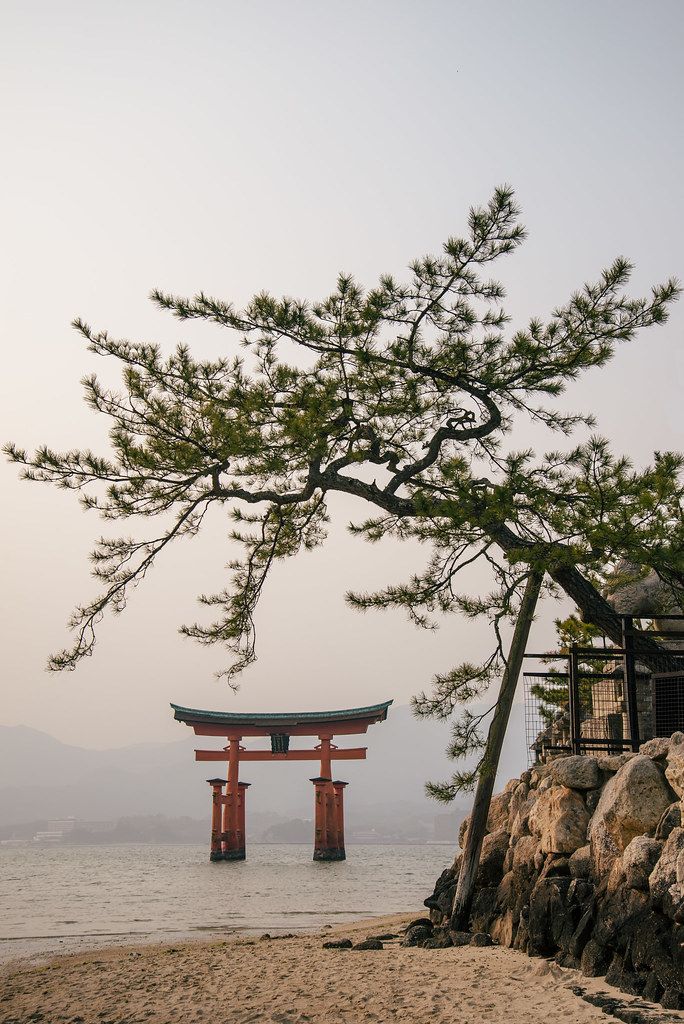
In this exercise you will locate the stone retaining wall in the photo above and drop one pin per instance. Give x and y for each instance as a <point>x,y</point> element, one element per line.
<point>584,861</point>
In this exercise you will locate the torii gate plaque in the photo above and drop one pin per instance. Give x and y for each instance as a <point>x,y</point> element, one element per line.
<point>228,809</point>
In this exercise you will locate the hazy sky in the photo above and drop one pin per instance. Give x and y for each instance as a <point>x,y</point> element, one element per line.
<point>232,147</point>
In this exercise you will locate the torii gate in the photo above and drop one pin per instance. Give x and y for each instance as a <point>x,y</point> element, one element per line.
<point>228,809</point>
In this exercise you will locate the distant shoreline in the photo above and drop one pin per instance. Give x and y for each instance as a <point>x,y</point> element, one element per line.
<point>17,843</point>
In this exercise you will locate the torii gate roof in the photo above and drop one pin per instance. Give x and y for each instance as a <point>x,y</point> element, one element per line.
<point>285,720</point>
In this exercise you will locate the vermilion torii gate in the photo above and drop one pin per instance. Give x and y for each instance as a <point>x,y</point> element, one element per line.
<point>228,809</point>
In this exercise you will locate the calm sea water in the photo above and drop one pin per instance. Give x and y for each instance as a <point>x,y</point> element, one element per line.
<point>62,899</point>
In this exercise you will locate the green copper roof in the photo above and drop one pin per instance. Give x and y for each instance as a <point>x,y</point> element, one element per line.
<point>280,718</point>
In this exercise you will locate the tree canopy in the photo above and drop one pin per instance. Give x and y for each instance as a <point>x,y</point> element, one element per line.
<point>406,397</point>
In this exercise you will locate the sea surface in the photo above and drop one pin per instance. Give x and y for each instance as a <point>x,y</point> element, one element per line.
<point>63,899</point>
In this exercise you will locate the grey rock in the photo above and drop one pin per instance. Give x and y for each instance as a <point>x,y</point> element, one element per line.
<point>665,890</point>
<point>594,959</point>
<point>496,819</point>
<point>555,865</point>
<point>638,861</point>
<point>440,939</point>
<point>524,852</point>
<point>672,999</point>
<point>576,772</point>
<point>657,749</point>
<point>494,849</point>
<point>560,819</point>
<point>485,909</point>
<point>631,804</point>
<point>416,935</point>
<point>518,801</point>
<point>671,818</point>
<point>504,928</point>
<point>549,913</point>
<point>580,862</point>
<point>418,921</point>
<point>592,798</point>
<point>613,762</point>
<point>674,766</point>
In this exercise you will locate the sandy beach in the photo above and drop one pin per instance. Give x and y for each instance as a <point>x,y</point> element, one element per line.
<point>293,980</point>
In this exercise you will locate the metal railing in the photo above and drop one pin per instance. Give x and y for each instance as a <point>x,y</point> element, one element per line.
<point>605,699</point>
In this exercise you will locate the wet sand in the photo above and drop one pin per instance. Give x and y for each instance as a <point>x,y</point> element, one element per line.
<point>294,980</point>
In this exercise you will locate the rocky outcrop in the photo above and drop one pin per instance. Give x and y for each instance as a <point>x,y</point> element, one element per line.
<point>584,861</point>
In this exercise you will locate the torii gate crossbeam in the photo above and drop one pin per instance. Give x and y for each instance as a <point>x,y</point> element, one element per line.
<point>228,808</point>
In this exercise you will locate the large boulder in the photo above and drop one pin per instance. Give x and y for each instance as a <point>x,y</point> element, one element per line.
<point>576,772</point>
<point>441,901</point>
<point>579,863</point>
<point>619,912</point>
<point>524,852</point>
<point>484,909</point>
<point>666,891</point>
<point>638,861</point>
<point>549,915</point>
<point>631,805</point>
<point>560,819</point>
<point>494,849</point>
<point>674,770</point>
<point>520,821</point>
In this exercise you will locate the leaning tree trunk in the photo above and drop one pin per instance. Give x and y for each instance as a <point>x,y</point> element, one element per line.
<point>592,605</point>
<point>490,761</point>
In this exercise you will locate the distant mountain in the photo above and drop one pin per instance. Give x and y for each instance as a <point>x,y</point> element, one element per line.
<point>42,778</point>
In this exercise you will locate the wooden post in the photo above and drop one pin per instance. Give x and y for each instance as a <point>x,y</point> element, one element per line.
<point>326,767</point>
<point>241,829</point>
<point>216,808</point>
<point>330,822</point>
<point>490,761</point>
<point>574,705</point>
<point>320,824</point>
<point>231,845</point>
<point>339,815</point>
<point>225,822</point>
<point>630,687</point>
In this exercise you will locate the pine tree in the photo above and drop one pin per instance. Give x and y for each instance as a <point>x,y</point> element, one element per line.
<point>553,695</point>
<point>422,381</point>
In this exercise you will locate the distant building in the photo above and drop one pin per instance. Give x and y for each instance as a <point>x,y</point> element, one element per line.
<point>48,837</point>
<point>62,825</point>
<point>59,829</point>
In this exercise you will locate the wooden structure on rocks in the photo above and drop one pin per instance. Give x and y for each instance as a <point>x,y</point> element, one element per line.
<point>228,840</point>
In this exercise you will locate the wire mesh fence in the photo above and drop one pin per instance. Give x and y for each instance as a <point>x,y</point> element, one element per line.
<point>605,699</point>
